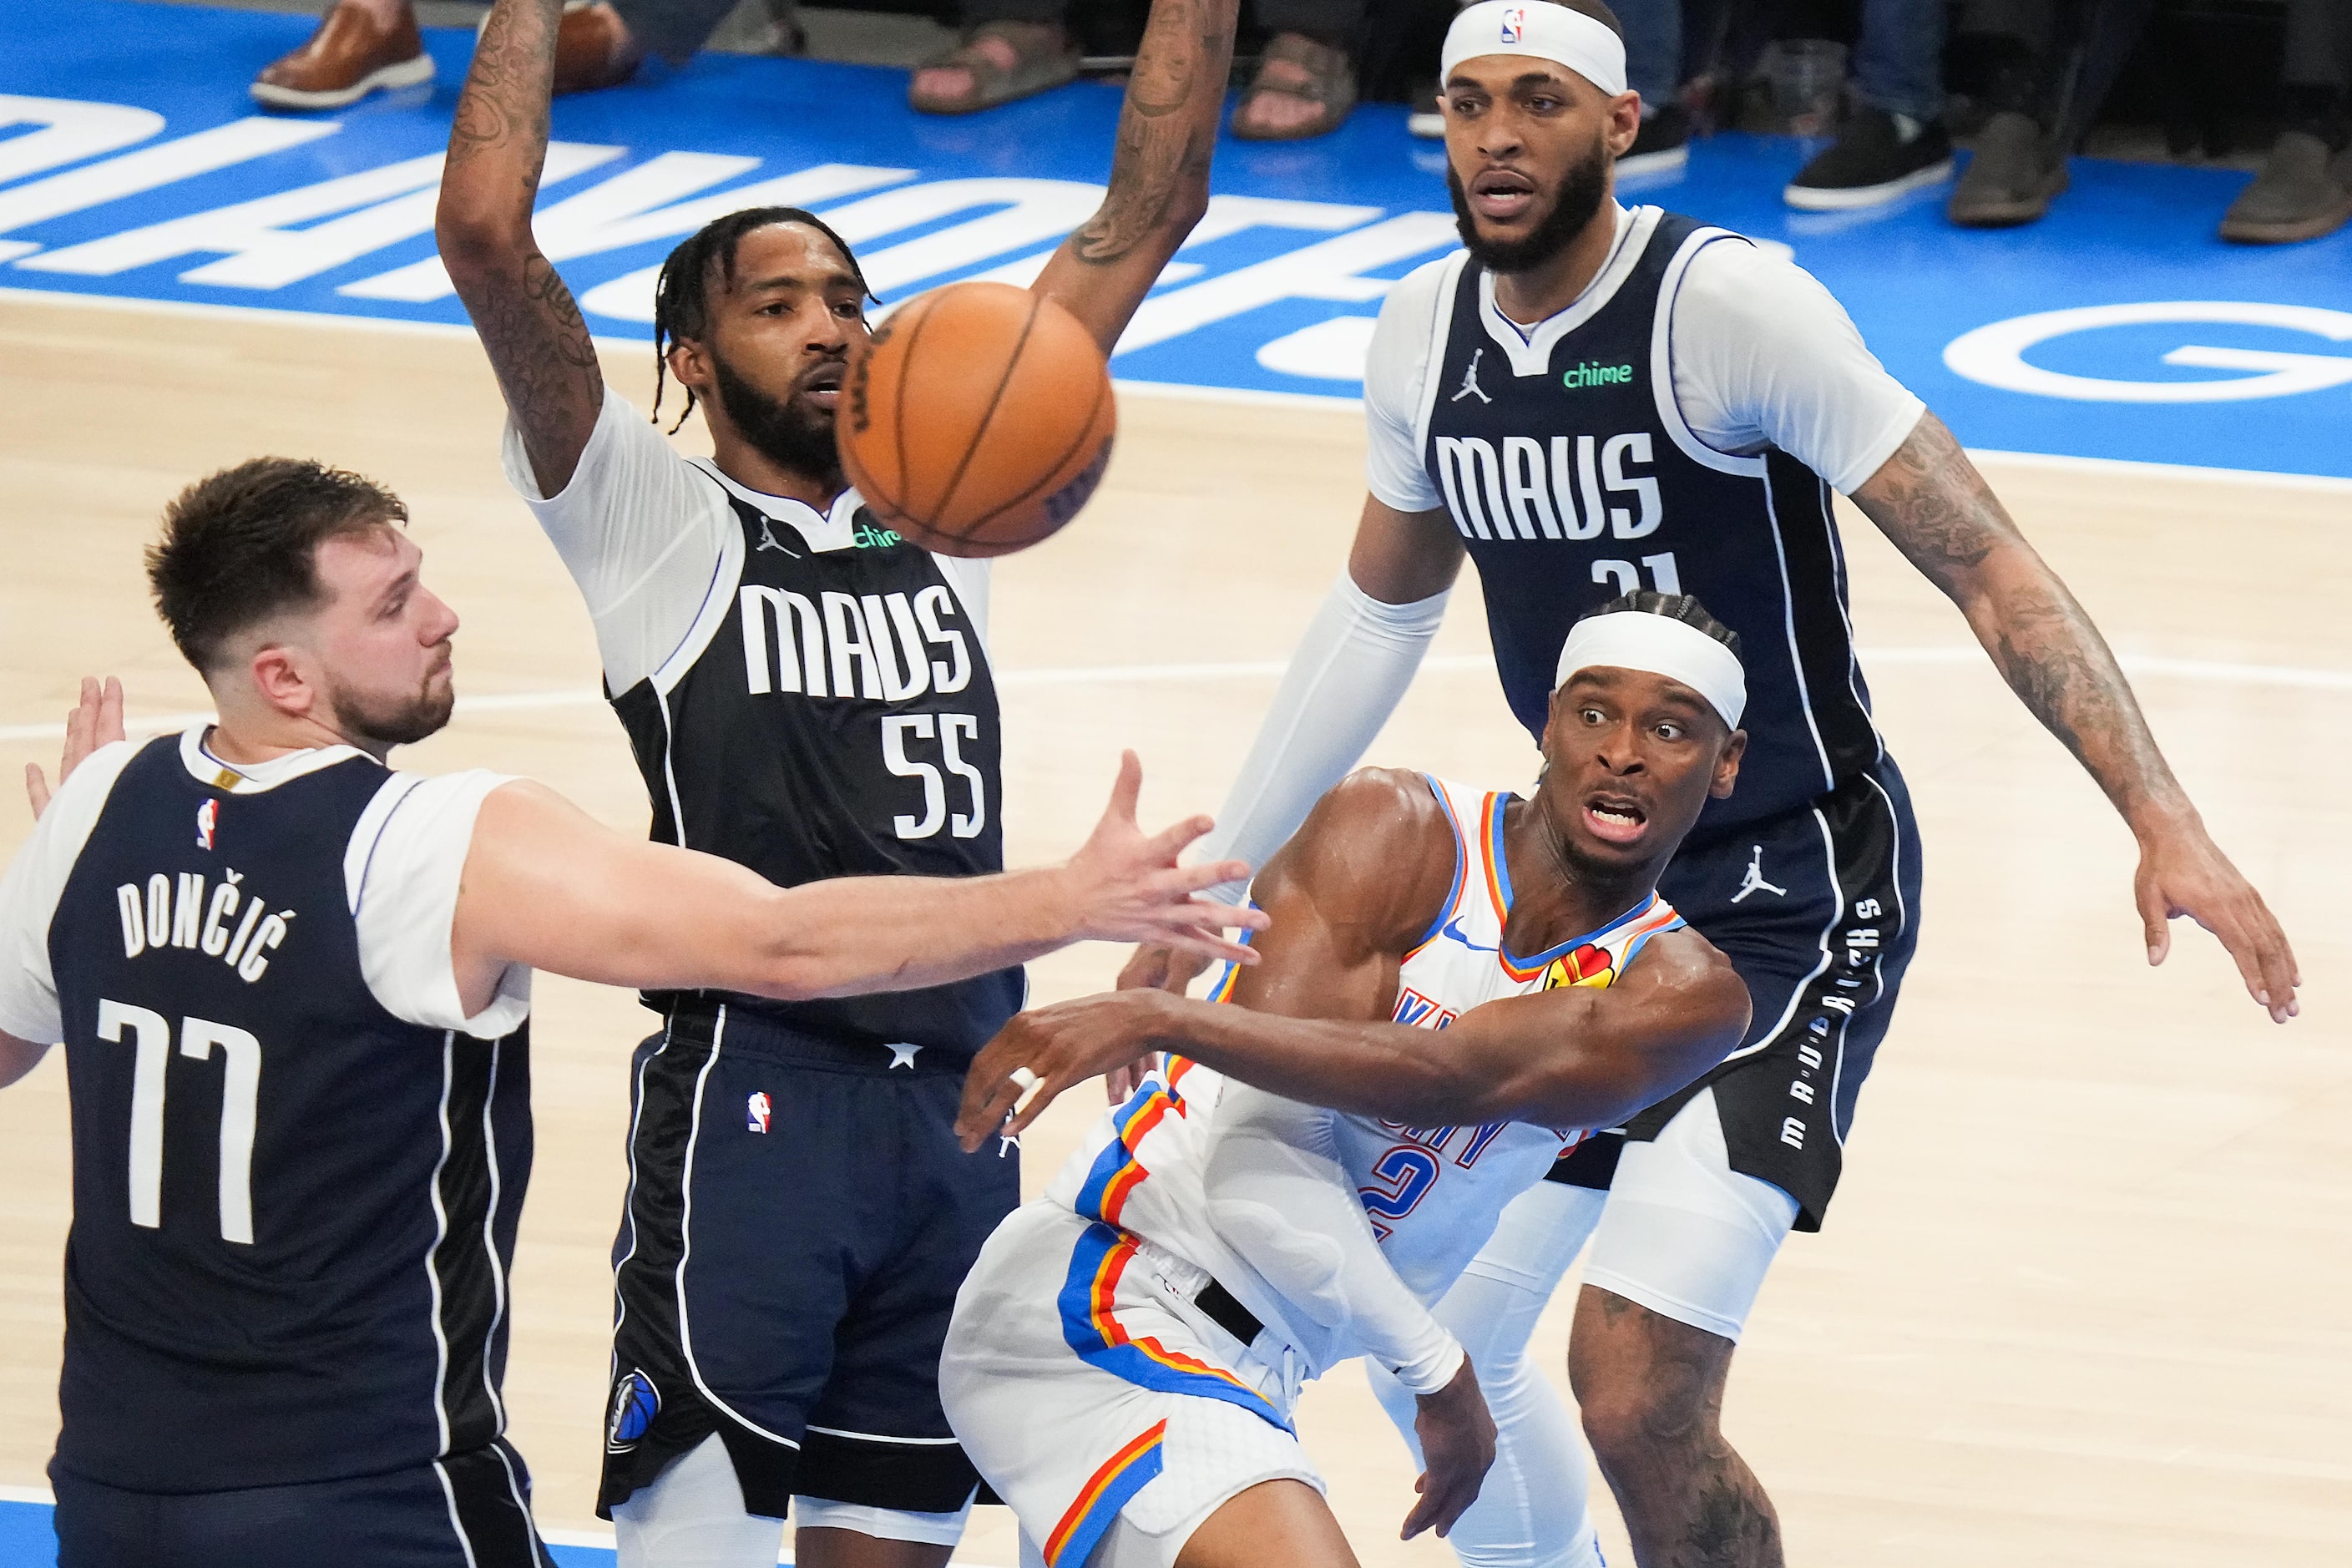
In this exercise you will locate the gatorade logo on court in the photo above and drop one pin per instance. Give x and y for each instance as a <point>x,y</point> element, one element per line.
<point>636,1403</point>
<point>1577,377</point>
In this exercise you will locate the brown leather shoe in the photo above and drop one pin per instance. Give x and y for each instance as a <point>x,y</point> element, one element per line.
<point>593,48</point>
<point>350,55</point>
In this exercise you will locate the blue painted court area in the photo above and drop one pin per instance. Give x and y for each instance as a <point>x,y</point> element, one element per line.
<point>27,1542</point>
<point>2118,328</point>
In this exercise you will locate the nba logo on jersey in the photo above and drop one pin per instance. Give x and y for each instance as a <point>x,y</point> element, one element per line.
<point>756,1110</point>
<point>1515,25</point>
<point>207,814</point>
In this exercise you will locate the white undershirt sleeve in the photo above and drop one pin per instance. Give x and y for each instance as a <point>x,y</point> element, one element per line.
<point>1279,1197</point>
<point>1396,368</point>
<point>35,881</point>
<point>641,531</point>
<point>402,871</point>
<point>1351,671</point>
<point>1764,356</point>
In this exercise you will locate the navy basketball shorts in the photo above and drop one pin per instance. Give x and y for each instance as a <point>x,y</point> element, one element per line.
<point>800,1217</point>
<point>468,1510</point>
<point>1818,909</point>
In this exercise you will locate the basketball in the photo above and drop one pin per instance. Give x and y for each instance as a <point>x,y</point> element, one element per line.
<point>980,419</point>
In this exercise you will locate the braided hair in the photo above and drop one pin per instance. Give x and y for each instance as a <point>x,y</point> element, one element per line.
<point>1681,608</point>
<point>682,292</point>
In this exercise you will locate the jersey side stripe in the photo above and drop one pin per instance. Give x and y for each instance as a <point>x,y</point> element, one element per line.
<point>1092,1329</point>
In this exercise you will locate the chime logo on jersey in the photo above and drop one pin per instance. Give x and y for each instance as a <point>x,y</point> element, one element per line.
<point>1515,25</point>
<point>756,1110</point>
<point>207,818</point>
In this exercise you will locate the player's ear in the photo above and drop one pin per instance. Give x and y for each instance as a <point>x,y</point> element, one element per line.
<point>1726,764</point>
<point>279,675</point>
<point>1624,122</point>
<point>690,365</point>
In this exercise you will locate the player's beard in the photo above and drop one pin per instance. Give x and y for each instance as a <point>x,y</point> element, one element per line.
<point>1581,193</point>
<point>780,429</point>
<point>389,722</point>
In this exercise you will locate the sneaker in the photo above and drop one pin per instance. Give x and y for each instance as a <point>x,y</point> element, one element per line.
<point>350,56</point>
<point>2298,195</point>
<point>1877,157</point>
<point>2010,181</point>
<point>1663,144</point>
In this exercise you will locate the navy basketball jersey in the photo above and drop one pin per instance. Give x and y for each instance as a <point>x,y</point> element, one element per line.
<point>293,1212</point>
<point>839,721</point>
<point>1572,477</point>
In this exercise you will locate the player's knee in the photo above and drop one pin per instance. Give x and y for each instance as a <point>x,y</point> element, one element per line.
<point>1641,1399</point>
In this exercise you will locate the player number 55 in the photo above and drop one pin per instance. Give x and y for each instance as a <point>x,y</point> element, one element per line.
<point>948,729</point>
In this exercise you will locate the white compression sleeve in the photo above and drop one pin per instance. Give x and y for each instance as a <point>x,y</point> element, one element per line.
<point>1351,671</point>
<point>1532,1512</point>
<point>1279,1197</point>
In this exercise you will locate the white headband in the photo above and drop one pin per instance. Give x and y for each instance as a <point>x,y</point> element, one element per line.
<point>1632,639</point>
<point>1538,28</point>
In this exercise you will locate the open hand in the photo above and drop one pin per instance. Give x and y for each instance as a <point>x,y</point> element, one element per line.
<point>1457,1444</point>
<point>2184,872</point>
<point>1062,1046</point>
<point>1130,889</point>
<point>96,720</point>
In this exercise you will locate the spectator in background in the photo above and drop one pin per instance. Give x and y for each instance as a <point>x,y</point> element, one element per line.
<point>2018,165</point>
<point>2305,187</point>
<point>366,45</point>
<point>1654,64</point>
<point>1892,141</point>
<point>1304,86</point>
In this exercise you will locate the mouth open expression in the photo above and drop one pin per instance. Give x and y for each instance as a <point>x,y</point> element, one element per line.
<point>1616,817</point>
<point>821,388</point>
<point>1502,195</point>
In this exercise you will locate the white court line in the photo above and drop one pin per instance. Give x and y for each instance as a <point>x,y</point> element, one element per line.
<point>2209,671</point>
<point>1175,390</point>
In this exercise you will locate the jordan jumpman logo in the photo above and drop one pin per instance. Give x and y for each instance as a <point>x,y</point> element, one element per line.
<point>1470,387</point>
<point>1754,882</point>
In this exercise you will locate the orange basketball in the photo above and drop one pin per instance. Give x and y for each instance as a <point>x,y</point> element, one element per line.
<point>979,421</point>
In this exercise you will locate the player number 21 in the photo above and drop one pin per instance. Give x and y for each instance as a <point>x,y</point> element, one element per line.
<point>900,733</point>
<point>240,1093</point>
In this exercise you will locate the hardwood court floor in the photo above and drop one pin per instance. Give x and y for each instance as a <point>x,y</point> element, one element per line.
<point>2081,1299</point>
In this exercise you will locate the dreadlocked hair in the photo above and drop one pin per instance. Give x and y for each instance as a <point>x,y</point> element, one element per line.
<point>1683,607</point>
<point>682,292</point>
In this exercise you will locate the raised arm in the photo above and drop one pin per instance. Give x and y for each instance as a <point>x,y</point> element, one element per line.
<point>1313,1027</point>
<point>547,887</point>
<point>1931,502</point>
<point>1349,672</point>
<point>1158,170</point>
<point>525,316</point>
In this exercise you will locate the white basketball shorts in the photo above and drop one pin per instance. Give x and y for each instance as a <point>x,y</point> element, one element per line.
<point>1091,1392</point>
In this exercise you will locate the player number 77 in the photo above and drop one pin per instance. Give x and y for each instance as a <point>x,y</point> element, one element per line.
<point>240,1095</point>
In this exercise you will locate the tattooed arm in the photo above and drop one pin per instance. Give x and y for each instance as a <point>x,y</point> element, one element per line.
<point>1939,510</point>
<point>527,319</point>
<point>1158,172</point>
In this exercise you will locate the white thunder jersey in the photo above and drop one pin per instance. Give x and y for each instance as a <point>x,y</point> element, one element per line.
<point>1432,1193</point>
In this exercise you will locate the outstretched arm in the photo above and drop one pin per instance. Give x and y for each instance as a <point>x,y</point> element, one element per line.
<point>525,316</point>
<point>1574,1056</point>
<point>1158,171</point>
<point>547,887</point>
<point>1931,502</point>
